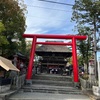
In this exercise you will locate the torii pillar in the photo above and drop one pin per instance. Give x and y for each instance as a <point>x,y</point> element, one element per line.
<point>74,60</point>
<point>74,52</point>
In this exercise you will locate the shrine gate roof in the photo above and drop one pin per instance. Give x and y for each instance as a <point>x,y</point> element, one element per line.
<point>53,49</point>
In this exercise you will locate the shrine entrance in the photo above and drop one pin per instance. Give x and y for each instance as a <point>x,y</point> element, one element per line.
<point>73,39</point>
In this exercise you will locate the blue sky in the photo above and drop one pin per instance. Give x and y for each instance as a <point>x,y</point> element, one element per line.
<point>49,18</point>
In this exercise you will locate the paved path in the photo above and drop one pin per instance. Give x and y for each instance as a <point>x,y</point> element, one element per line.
<point>47,96</point>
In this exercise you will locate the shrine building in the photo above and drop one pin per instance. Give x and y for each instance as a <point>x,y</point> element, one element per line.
<point>53,57</point>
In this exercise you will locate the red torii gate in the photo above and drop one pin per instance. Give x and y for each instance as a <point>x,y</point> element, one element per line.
<point>73,44</point>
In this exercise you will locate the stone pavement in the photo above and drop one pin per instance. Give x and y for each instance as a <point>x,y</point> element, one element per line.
<point>90,94</point>
<point>47,96</point>
<point>5,95</point>
<point>20,95</point>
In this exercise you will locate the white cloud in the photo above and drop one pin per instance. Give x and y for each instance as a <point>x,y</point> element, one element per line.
<point>40,20</point>
<point>35,31</point>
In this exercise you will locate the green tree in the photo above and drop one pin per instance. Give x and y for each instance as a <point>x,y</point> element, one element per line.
<point>85,47</point>
<point>28,47</point>
<point>3,39</point>
<point>86,13</point>
<point>12,15</point>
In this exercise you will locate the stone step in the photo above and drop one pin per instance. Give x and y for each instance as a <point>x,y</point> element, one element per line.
<point>51,89</point>
<point>52,77</point>
<point>42,88</point>
<point>50,82</point>
<point>48,87</point>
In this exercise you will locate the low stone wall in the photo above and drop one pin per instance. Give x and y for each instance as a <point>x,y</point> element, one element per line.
<point>85,84</point>
<point>18,82</point>
<point>5,84</point>
<point>4,88</point>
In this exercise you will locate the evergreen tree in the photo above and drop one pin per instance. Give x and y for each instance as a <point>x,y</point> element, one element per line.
<point>86,14</point>
<point>12,15</point>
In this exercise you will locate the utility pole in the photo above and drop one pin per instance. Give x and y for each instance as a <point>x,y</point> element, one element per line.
<point>95,54</point>
<point>95,48</point>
